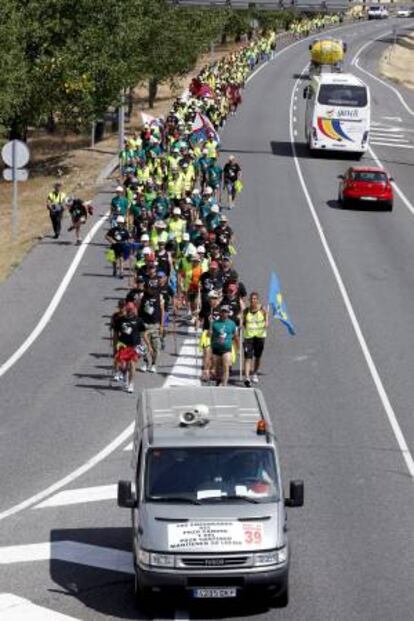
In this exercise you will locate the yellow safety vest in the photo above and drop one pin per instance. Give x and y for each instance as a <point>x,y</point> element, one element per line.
<point>255,324</point>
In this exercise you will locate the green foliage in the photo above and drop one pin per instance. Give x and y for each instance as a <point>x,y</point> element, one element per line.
<point>69,60</point>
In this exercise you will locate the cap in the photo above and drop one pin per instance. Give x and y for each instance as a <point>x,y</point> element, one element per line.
<point>195,257</point>
<point>224,218</point>
<point>120,219</point>
<point>225,308</point>
<point>196,191</point>
<point>140,278</point>
<point>226,257</point>
<point>186,237</point>
<point>161,274</point>
<point>147,251</point>
<point>213,294</point>
<point>198,222</point>
<point>215,209</point>
<point>177,211</point>
<point>201,249</point>
<point>145,237</point>
<point>160,224</point>
<point>119,188</point>
<point>214,265</point>
<point>208,190</point>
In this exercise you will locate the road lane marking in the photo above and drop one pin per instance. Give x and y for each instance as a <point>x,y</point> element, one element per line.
<point>355,62</point>
<point>128,447</point>
<point>80,495</point>
<point>100,557</point>
<point>348,305</point>
<point>396,187</point>
<point>394,145</point>
<point>13,608</point>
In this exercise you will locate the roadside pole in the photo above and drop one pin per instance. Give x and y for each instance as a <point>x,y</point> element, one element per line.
<point>15,154</point>
<point>121,122</point>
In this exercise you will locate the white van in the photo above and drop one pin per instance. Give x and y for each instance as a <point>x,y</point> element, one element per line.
<point>338,113</point>
<point>208,509</point>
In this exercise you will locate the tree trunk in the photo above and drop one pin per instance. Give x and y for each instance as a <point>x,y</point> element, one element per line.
<point>18,129</point>
<point>152,91</point>
<point>51,123</point>
<point>224,38</point>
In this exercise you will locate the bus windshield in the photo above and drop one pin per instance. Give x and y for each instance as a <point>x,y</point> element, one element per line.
<point>343,95</point>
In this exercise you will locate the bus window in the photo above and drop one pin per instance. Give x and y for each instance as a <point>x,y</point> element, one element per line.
<point>343,95</point>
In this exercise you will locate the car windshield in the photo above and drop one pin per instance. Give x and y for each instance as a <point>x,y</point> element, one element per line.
<point>343,95</point>
<point>368,175</point>
<point>200,475</point>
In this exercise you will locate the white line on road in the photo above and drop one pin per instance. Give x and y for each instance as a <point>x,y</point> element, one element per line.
<point>392,144</point>
<point>13,608</point>
<point>348,305</point>
<point>54,303</point>
<point>80,495</point>
<point>111,559</point>
<point>128,447</point>
<point>355,61</point>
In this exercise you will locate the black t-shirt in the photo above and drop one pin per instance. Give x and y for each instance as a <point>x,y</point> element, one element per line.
<point>118,234</point>
<point>207,315</point>
<point>135,295</point>
<point>231,171</point>
<point>164,264</point>
<point>223,235</point>
<point>235,308</point>
<point>208,282</point>
<point>229,275</point>
<point>129,330</point>
<point>150,308</point>
<point>77,210</point>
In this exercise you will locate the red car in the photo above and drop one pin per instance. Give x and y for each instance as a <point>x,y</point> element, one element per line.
<point>368,184</point>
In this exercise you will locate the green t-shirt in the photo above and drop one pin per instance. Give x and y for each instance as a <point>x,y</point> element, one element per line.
<point>222,335</point>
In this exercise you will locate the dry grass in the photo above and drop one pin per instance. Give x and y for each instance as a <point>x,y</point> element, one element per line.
<point>397,62</point>
<point>69,158</point>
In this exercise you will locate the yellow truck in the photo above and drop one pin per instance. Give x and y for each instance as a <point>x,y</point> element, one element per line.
<point>326,53</point>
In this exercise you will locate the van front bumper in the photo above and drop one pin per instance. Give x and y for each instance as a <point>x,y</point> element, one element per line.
<point>274,580</point>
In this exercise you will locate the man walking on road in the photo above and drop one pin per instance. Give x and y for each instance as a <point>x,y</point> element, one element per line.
<point>56,201</point>
<point>231,174</point>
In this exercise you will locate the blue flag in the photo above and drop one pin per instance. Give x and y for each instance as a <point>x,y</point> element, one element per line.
<point>277,304</point>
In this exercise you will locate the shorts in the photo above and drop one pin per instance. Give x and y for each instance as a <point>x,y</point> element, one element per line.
<point>126,354</point>
<point>121,249</point>
<point>253,348</point>
<point>220,352</point>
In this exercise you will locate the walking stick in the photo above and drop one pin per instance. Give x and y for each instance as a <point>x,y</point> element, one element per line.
<point>241,354</point>
<point>175,327</point>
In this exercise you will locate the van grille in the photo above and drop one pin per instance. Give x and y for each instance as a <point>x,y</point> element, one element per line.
<point>214,562</point>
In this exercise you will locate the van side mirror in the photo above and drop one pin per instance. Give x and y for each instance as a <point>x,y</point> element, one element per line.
<point>296,496</point>
<point>305,92</point>
<point>126,498</point>
<point>392,179</point>
<point>341,176</point>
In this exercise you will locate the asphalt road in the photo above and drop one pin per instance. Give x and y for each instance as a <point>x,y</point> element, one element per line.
<point>352,542</point>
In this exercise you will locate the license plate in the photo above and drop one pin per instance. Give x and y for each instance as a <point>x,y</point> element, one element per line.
<point>368,198</point>
<point>214,593</point>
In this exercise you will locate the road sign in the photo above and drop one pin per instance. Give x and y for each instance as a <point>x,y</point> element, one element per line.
<point>21,175</point>
<point>15,153</point>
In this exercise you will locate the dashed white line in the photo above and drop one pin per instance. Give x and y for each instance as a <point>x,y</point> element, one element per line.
<point>13,608</point>
<point>81,495</point>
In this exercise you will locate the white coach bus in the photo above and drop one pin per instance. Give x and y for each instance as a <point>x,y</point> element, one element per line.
<point>338,112</point>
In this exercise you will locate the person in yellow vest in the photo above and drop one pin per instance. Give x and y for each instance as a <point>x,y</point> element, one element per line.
<point>56,201</point>
<point>211,145</point>
<point>177,225</point>
<point>255,324</point>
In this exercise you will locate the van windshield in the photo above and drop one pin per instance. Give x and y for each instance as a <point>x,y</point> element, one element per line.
<point>343,95</point>
<point>200,474</point>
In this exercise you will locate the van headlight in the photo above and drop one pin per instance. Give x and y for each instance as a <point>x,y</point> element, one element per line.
<point>272,557</point>
<point>155,559</point>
